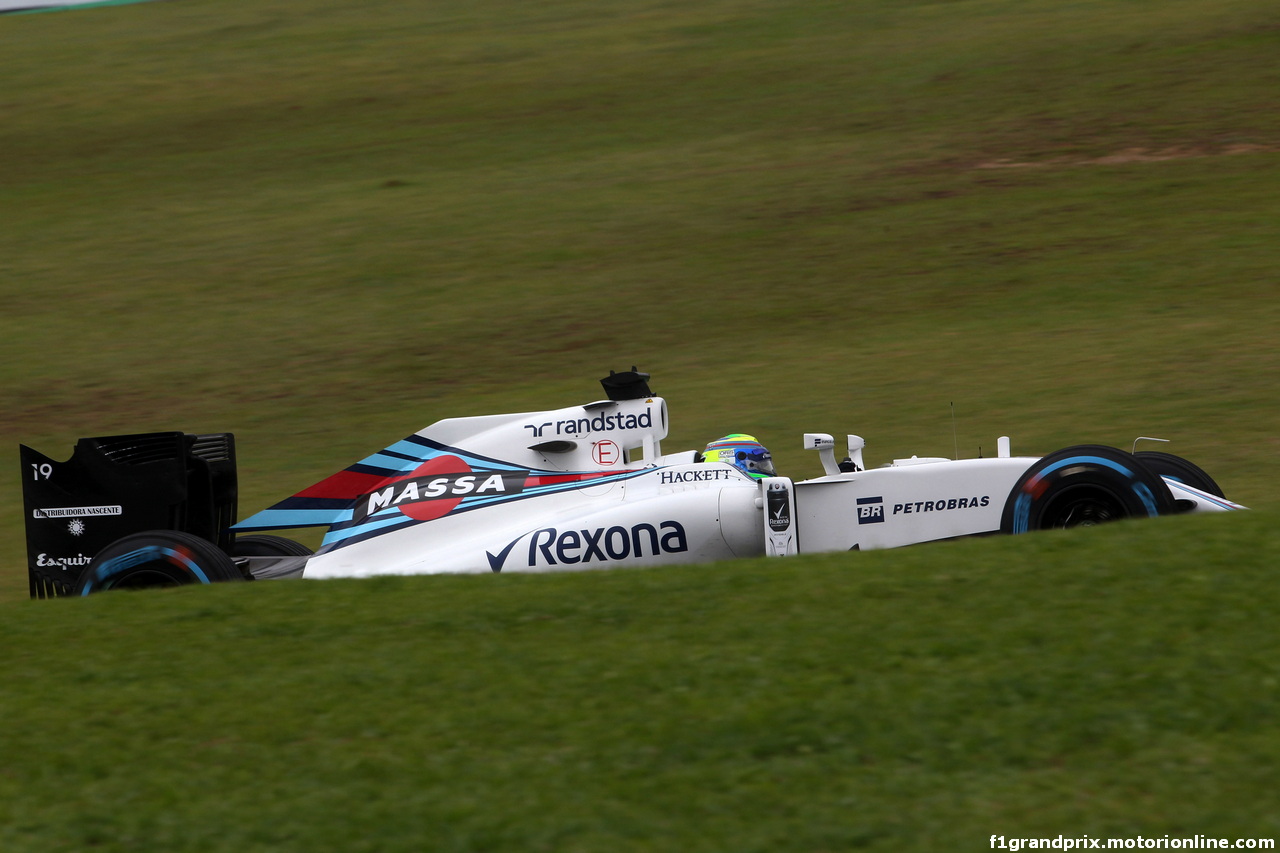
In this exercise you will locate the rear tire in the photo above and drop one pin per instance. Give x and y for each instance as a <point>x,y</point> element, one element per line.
<point>1083,486</point>
<point>156,558</point>
<point>266,545</point>
<point>1177,468</point>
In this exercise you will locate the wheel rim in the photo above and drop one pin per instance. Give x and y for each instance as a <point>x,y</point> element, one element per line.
<point>1083,507</point>
<point>145,577</point>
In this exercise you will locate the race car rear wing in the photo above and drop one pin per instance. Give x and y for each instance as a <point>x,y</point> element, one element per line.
<point>114,486</point>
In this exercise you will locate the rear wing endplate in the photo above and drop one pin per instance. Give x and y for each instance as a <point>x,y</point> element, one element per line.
<point>114,486</point>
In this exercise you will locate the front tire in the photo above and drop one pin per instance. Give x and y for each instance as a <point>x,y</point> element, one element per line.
<point>1177,468</point>
<point>1083,486</point>
<point>156,558</point>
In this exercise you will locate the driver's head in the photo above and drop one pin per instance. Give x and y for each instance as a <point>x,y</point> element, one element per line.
<point>743,452</point>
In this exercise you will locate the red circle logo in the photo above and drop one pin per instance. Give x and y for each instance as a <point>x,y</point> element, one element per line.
<point>606,453</point>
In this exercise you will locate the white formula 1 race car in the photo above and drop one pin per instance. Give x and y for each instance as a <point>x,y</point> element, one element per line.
<point>582,487</point>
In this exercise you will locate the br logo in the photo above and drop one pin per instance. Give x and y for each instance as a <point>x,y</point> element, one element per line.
<point>870,510</point>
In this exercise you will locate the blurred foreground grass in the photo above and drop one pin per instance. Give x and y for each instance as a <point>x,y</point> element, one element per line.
<point>1118,682</point>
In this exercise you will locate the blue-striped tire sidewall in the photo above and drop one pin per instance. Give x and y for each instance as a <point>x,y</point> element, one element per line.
<point>1115,472</point>
<point>175,557</point>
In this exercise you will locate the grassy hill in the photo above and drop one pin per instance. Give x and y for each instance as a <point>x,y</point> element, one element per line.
<point>324,225</point>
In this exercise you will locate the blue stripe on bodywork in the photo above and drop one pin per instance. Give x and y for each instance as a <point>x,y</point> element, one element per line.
<point>283,519</point>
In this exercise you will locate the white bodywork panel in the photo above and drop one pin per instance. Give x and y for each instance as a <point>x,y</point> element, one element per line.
<point>1204,502</point>
<point>912,501</point>
<point>679,514</point>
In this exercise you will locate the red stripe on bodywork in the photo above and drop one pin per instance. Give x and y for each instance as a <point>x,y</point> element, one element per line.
<point>559,479</point>
<point>347,485</point>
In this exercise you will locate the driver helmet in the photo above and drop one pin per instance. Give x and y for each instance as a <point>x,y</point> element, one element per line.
<point>744,453</point>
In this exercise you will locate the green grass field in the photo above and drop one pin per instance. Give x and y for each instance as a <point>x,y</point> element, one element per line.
<point>324,225</point>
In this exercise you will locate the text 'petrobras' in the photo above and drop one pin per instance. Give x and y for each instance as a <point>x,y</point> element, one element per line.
<point>942,505</point>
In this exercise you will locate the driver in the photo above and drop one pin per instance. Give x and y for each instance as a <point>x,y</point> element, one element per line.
<point>744,453</point>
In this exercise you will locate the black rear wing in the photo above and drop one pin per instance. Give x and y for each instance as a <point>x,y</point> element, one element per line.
<point>118,485</point>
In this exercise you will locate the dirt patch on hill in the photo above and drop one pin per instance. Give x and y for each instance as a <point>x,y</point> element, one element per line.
<point>1131,155</point>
